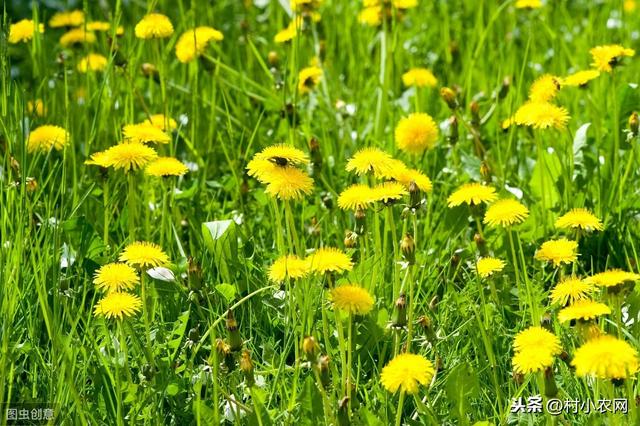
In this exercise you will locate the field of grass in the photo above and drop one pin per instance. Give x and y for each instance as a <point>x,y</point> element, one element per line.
<point>214,325</point>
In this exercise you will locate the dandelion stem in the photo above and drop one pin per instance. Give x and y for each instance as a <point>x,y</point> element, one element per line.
<point>399,412</point>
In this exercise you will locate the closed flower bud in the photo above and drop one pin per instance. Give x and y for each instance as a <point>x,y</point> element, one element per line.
<point>323,370</point>
<point>427,326</point>
<point>150,71</point>
<point>310,348</point>
<point>246,366</point>
<point>454,132</point>
<point>485,171</point>
<point>224,352</point>
<point>194,274</point>
<point>634,123</point>
<point>400,311</point>
<point>504,88</point>
<point>415,196</point>
<point>350,239</point>
<point>545,321</point>
<point>235,341</point>
<point>449,96</point>
<point>550,388</point>
<point>475,113</point>
<point>360,221</point>
<point>343,412</point>
<point>480,242</point>
<point>273,58</point>
<point>408,247</point>
<point>194,335</point>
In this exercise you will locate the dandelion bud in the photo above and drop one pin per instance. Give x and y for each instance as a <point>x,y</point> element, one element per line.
<point>360,221</point>
<point>504,88</point>
<point>343,412</point>
<point>194,274</point>
<point>454,49</point>
<point>400,311</point>
<point>313,229</point>
<point>480,242</point>
<point>485,171</point>
<point>310,348</point>
<point>350,239</point>
<point>449,96</point>
<point>316,155</point>
<point>193,335</point>
<point>518,378</point>
<point>32,184</point>
<point>150,71</point>
<point>235,341</point>
<point>408,247</point>
<point>224,351</point>
<point>415,197</point>
<point>427,326</point>
<point>550,387</point>
<point>475,113</point>
<point>273,58</point>
<point>634,123</point>
<point>323,370</point>
<point>246,366</point>
<point>434,303</point>
<point>454,133</point>
<point>545,321</point>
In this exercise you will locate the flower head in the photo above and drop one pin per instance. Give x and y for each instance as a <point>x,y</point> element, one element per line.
<point>194,42</point>
<point>606,357</point>
<point>544,88</point>
<point>288,183</point>
<point>570,290</point>
<point>71,18</point>
<point>128,156</point>
<point>77,36</point>
<point>506,213</point>
<point>22,31</point>
<point>580,78</point>
<point>308,78</point>
<point>356,197</point>
<point>370,160</point>
<point>541,115</point>
<point>329,259</point>
<point>419,77</point>
<point>36,107</point>
<point>290,32</point>
<point>166,166</point>
<point>154,25</point>
<point>406,372</point>
<point>612,278</point>
<point>558,251</point>
<point>528,4</point>
<point>161,122</point>
<point>583,309</point>
<point>115,277</point>
<point>579,219</point>
<point>102,159</point>
<point>144,133</point>
<point>103,27</point>
<point>144,254</point>
<point>534,350</point>
<point>605,57</point>
<point>92,62</point>
<point>487,266</point>
<point>371,16</point>
<point>289,266</point>
<point>352,299</point>
<point>472,194</point>
<point>46,137</point>
<point>118,305</point>
<point>405,176</point>
<point>388,191</point>
<point>416,133</point>
<point>283,155</point>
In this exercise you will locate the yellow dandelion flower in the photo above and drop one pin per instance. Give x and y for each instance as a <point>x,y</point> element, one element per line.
<point>506,213</point>
<point>570,290</point>
<point>606,357</point>
<point>36,107</point>
<point>541,115</point>
<point>544,88</point>
<point>405,176</point>
<point>371,16</point>
<point>71,18</point>
<point>103,27</point>
<point>77,36</point>
<point>581,219</point>
<point>531,361</point>
<point>290,32</point>
<point>388,191</point>
<point>144,133</point>
<point>370,160</point>
<point>92,62</point>
<point>118,305</point>
<point>329,259</point>
<point>472,194</point>
<point>283,155</point>
<point>607,56</point>
<point>487,266</point>
<point>612,278</point>
<point>129,156</point>
<point>356,197</point>
<point>166,166</point>
<point>22,31</point>
<point>154,25</point>
<point>352,299</point>
<point>580,78</point>
<point>305,5</point>
<point>144,254</point>
<point>47,137</point>
<point>161,122</point>
<point>558,251</point>
<point>419,77</point>
<point>416,133</point>
<point>288,183</point>
<point>102,159</point>
<point>534,350</point>
<point>115,277</point>
<point>507,122</point>
<point>289,266</point>
<point>583,309</point>
<point>406,372</point>
<point>194,42</point>
<point>528,4</point>
<point>308,78</point>
<point>629,5</point>
<point>261,169</point>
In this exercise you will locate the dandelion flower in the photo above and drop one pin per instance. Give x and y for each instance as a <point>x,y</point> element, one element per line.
<point>46,137</point>
<point>406,372</point>
<point>583,309</point>
<point>329,259</point>
<point>472,194</point>
<point>77,36</point>
<point>606,357</point>
<point>544,89</point>
<point>154,25</point>
<point>416,133</point>
<point>308,78</point>
<point>531,361</point>
<point>356,197</point>
<point>71,18</point>
<point>558,251</point>
<point>528,4</point>
<point>92,62</point>
<point>613,278</point>
<point>570,290</point>
<point>166,166</point>
<point>102,159</point>
<point>261,169</point>
<point>579,219</point>
<point>283,155</point>
<point>36,107</point>
<point>370,160</point>
<point>506,213</point>
<point>288,183</point>
<point>371,16</point>
<point>194,42</point>
<point>487,266</point>
<point>118,305</point>
<point>352,299</point>
<point>129,156</point>
<point>405,176</point>
<point>419,77</point>
<point>290,32</point>
<point>144,254</point>
<point>144,133</point>
<point>405,4</point>
<point>289,266</point>
<point>537,337</point>
<point>541,115</point>
<point>161,122</point>
<point>605,57</point>
<point>103,27</point>
<point>388,191</point>
<point>115,277</point>
<point>22,31</point>
<point>580,78</point>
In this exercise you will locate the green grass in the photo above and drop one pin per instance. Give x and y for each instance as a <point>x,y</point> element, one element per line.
<point>232,103</point>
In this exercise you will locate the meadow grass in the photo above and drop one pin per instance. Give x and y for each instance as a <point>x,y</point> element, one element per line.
<point>62,219</point>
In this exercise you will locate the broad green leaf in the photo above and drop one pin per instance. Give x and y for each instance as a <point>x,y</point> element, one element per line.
<point>228,291</point>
